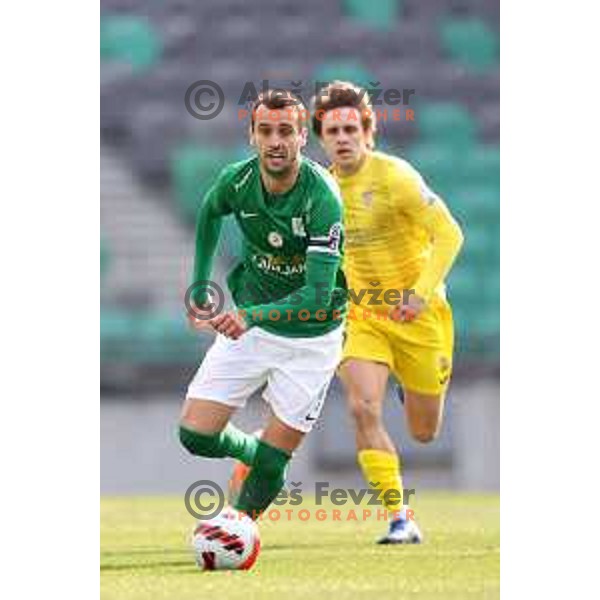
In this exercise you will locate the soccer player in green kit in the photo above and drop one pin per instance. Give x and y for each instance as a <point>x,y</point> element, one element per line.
<point>291,288</point>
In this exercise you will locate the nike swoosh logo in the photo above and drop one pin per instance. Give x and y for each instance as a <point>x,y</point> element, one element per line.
<point>246,215</point>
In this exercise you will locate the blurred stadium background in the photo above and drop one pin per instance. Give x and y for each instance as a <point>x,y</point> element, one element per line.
<point>156,160</point>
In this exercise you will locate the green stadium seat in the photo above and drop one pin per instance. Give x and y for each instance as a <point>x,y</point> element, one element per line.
<point>491,288</point>
<point>118,331</point>
<point>482,165</point>
<point>193,170</point>
<point>475,203</point>
<point>462,329</point>
<point>147,338</point>
<point>165,338</point>
<point>381,15</point>
<point>117,324</point>
<point>491,260</point>
<point>477,331</point>
<point>474,292</point>
<point>446,123</point>
<point>465,281</point>
<point>129,39</point>
<point>470,42</point>
<point>486,322</point>
<point>440,165</point>
<point>344,70</point>
<point>465,285</point>
<point>479,246</point>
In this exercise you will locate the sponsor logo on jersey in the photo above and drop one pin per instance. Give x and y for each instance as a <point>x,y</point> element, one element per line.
<point>298,227</point>
<point>367,198</point>
<point>281,265</point>
<point>275,239</point>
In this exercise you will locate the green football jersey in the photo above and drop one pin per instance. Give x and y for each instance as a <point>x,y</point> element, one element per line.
<point>285,237</point>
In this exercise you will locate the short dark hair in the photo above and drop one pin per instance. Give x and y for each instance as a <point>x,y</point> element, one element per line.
<point>276,99</point>
<point>343,94</point>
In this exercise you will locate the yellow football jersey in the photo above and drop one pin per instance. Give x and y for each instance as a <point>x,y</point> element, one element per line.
<point>391,218</point>
<point>399,236</point>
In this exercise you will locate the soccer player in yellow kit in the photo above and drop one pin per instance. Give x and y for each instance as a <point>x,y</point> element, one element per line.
<point>401,242</point>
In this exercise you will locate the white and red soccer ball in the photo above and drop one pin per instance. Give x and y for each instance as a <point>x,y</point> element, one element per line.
<point>230,540</point>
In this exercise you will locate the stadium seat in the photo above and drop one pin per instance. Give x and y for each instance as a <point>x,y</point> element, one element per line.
<point>491,287</point>
<point>462,325</point>
<point>477,330</point>
<point>475,203</point>
<point>486,322</point>
<point>381,15</point>
<point>447,123</point>
<point>165,338</point>
<point>129,39</point>
<point>447,50</point>
<point>482,165</point>
<point>465,285</point>
<point>441,166</point>
<point>193,170</point>
<point>147,337</point>
<point>156,127</point>
<point>470,42</point>
<point>116,323</point>
<point>430,10</point>
<point>489,123</point>
<point>478,248</point>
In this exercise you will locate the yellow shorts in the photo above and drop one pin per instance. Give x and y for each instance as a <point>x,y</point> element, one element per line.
<point>418,353</point>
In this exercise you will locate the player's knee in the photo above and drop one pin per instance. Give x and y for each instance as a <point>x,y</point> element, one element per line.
<point>365,411</point>
<point>186,426</point>
<point>186,415</point>
<point>424,414</point>
<point>425,435</point>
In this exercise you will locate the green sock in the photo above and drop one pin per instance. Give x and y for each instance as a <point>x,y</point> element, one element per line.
<point>229,442</point>
<point>264,481</point>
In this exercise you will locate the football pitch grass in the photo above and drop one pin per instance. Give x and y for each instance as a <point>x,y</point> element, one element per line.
<point>146,553</point>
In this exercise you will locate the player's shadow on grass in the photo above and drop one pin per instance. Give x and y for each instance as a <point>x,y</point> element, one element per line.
<point>177,564</point>
<point>278,547</point>
<point>143,552</point>
<point>161,559</point>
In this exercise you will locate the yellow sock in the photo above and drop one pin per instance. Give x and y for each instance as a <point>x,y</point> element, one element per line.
<point>379,466</point>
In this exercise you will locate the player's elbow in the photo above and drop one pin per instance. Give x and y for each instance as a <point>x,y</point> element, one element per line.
<point>453,237</point>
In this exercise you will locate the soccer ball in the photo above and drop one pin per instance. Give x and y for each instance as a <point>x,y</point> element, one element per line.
<point>228,541</point>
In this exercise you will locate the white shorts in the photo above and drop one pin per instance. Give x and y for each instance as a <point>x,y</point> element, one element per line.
<point>297,373</point>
